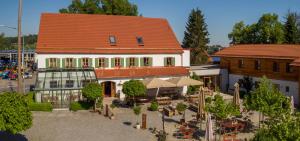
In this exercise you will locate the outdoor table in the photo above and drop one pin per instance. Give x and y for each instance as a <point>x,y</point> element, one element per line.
<point>230,125</point>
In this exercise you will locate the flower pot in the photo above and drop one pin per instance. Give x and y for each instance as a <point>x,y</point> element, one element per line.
<point>138,126</point>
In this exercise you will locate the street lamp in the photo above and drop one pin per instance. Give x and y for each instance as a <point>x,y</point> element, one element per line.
<point>22,41</point>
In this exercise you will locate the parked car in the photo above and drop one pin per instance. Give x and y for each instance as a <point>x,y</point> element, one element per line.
<point>27,75</point>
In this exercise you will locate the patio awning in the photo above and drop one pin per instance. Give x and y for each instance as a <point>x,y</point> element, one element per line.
<point>184,81</point>
<point>156,83</point>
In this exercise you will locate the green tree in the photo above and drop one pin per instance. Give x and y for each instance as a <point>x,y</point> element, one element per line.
<point>270,30</point>
<point>267,99</point>
<point>108,7</point>
<point>181,107</point>
<point>213,49</point>
<point>290,27</point>
<point>196,37</point>
<point>93,92</point>
<point>14,113</point>
<point>237,33</point>
<point>134,88</point>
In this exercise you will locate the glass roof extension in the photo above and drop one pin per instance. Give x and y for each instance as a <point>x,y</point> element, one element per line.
<point>51,79</point>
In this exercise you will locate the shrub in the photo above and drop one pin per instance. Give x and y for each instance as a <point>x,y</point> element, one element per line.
<point>47,107</point>
<point>93,92</point>
<point>80,105</point>
<point>29,97</point>
<point>208,100</point>
<point>153,106</point>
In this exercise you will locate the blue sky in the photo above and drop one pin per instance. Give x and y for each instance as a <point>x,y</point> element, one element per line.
<point>220,14</point>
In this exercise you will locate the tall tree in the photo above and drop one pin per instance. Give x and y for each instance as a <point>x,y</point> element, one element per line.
<point>109,7</point>
<point>236,36</point>
<point>290,27</point>
<point>196,37</point>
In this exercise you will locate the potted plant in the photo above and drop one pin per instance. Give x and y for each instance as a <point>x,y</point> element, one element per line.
<point>153,106</point>
<point>137,112</point>
<point>181,107</point>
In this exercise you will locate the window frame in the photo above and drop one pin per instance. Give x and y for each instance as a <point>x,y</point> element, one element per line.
<point>69,62</point>
<point>53,63</point>
<point>52,85</point>
<point>257,64</point>
<point>146,61</point>
<point>275,67</point>
<point>287,89</point>
<point>288,68</point>
<point>118,62</point>
<point>140,40</point>
<point>112,40</point>
<point>169,61</point>
<point>101,62</point>
<point>85,62</point>
<point>131,62</point>
<point>67,85</point>
<point>241,63</point>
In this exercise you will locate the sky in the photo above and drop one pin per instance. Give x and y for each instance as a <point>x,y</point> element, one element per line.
<point>220,15</point>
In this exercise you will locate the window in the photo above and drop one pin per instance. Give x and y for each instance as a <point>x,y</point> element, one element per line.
<point>131,62</point>
<point>241,63</point>
<point>275,67</point>
<point>69,83</point>
<point>140,40</point>
<point>84,82</point>
<point>288,68</point>
<point>287,89</point>
<point>112,40</point>
<point>53,84</point>
<point>169,61</point>
<point>117,62</point>
<point>101,62</point>
<point>257,65</point>
<point>53,63</point>
<point>85,62</point>
<point>146,61</point>
<point>69,63</point>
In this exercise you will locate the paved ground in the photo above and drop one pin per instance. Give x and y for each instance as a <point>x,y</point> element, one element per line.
<point>87,126</point>
<point>11,85</point>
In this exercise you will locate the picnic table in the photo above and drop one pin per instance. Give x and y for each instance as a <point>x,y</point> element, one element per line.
<point>232,126</point>
<point>163,100</point>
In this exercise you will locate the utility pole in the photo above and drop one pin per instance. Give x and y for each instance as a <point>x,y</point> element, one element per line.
<point>20,90</point>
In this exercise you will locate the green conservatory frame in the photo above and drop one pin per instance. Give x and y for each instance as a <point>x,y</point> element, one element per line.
<point>61,86</point>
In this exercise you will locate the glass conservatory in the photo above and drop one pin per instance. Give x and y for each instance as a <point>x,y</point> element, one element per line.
<point>60,87</point>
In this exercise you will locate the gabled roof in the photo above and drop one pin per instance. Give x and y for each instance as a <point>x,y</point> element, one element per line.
<point>278,51</point>
<point>84,33</point>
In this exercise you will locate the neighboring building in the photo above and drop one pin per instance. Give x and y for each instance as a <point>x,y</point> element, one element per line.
<point>280,63</point>
<point>110,49</point>
<point>12,55</point>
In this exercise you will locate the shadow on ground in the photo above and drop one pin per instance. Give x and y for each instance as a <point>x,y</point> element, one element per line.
<point>5,136</point>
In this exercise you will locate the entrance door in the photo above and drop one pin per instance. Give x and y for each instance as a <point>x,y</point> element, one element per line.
<point>109,89</point>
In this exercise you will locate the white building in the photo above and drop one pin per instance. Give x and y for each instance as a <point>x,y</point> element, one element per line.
<point>75,48</point>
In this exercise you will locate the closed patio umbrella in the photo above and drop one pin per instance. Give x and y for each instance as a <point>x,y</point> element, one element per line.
<point>209,136</point>
<point>184,81</point>
<point>292,104</point>
<point>201,103</point>
<point>236,96</point>
<point>151,83</point>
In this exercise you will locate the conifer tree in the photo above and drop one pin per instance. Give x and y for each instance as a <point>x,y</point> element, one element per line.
<point>196,37</point>
<point>290,27</point>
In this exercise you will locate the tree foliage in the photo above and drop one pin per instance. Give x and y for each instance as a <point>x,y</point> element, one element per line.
<point>247,83</point>
<point>291,34</point>
<point>93,92</point>
<point>108,7</point>
<point>11,42</point>
<point>221,109</point>
<point>133,88</point>
<point>268,30</point>
<point>14,113</point>
<point>267,100</point>
<point>196,37</point>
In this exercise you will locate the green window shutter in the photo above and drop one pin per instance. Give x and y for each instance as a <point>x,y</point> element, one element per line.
<point>165,61</point>
<point>136,62</point>
<point>90,62</point>
<point>96,62</point>
<point>63,62</point>
<point>47,62</point>
<point>112,62</point>
<point>58,62</point>
<point>142,61</point>
<point>127,62</point>
<point>79,62</point>
<point>74,62</point>
<point>150,61</point>
<point>106,62</point>
<point>122,62</point>
<point>173,61</point>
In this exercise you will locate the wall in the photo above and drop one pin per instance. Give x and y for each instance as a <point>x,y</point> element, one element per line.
<point>294,86</point>
<point>231,63</point>
<point>158,59</point>
<point>186,58</point>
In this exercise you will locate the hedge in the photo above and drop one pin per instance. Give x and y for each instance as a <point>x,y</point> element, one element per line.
<point>80,105</point>
<point>47,107</point>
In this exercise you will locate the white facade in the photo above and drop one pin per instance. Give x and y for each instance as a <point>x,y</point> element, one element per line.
<point>283,84</point>
<point>158,59</point>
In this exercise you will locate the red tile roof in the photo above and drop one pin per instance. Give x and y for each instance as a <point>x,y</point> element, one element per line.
<point>280,51</point>
<point>83,33</point>
<point>141,72</point>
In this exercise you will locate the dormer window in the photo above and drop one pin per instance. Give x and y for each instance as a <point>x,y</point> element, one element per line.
<point>140,40</point>
<point>112,40</point>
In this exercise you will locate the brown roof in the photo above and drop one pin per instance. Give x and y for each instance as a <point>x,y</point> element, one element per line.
<point>141,72</point>
<point>84,33</point>
<point>279,51</point>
